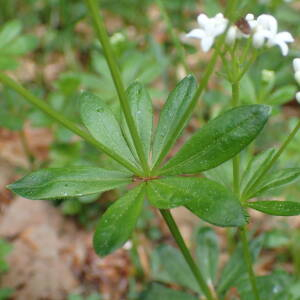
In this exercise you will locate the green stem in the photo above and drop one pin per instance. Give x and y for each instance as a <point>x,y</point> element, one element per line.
<point>27,151</point>
<point>60,118</point>
<point>236,159</point>
<point>174,37</point>
<point>273,160</point>
<point>186,253</point>
<point>248,261</point>
<point>116,76</point>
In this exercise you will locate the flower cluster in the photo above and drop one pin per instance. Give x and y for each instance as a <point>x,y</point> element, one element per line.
<point>263,30</point>
<point>296,64</point>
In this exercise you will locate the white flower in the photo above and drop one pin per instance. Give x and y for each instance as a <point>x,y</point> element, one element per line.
<point>298,97</point>
<point>296,64</point>
<point>233,33</point>
<point>251,20</point>
<point>265,30</point>
<point>209,29</point>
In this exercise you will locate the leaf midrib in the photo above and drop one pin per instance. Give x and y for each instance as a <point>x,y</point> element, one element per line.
<point>211,145</point>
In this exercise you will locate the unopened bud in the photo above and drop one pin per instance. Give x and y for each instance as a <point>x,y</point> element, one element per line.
<point>268,75</point>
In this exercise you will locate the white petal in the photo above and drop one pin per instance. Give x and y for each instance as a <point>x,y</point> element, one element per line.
<point>206,43</point>
<point>231,35</point>
<point>285,36</point>
<point>298,97</point>
<point>296,64</point>
<point>268,22</point>
<point>219,15</point>
<point>249,17</point>
<point>202,20</point>
<point>297,77</point>
<point>196,34</point>
<point>258,40</point>
<point>284,48</point>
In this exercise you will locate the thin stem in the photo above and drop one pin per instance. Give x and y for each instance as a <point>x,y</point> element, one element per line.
<point>273,160</point>
<point>60,118</point>
<point>186,253</point>
<point>174,37</point>
<point>248,261</point>
<point>236,159</point>
<point>27,151</point>
<point>116,76</point>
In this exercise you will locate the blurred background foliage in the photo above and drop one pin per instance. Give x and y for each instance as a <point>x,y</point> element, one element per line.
<point>50,46</point>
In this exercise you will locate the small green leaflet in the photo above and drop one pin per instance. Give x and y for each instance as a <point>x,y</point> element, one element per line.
<point>254,168</point>
<point>68,182</point>
<point>118,222</point>
<point>275,180</point>
<point>276,208</point>
<point>171,117</point>
<point>207,252</point>
<point>103,126</point>
<point>219,140</point>
<point>141,109</point>
<point>207,199</point>
<point>169,266</point>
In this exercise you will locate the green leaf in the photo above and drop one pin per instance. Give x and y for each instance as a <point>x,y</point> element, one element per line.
<point>275,180</point>
<point>282,95</point>
<point>219,140</point>
<point>5,249</point>
<point>68,182</point>
<point>207,199</point>
<point>275,286</point>
<point>118,222</point>
<point>159,292</point>
<point>9,31</point>
<point>103,126</point>
<point>169,266</point>
<point>235,269</point>
<point>6,293</point>
<point>141,109</point>
<point>171,116</point>
<point>20,46</point>
<point>8,63</point>
<point>255,167</point>
<point>276,208</point>
<point>207,252</point>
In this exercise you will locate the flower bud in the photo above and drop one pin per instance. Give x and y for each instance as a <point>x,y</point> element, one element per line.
<point>296,64</point>
<point>268,75</point>
<point>297,76</point>
<point>298,97</point>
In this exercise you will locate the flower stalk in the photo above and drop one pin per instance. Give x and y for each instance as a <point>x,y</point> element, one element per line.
<point>116,76</point>
<point>186,253</point>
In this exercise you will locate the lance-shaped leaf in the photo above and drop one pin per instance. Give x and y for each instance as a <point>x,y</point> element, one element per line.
<point>235,269</point>
<point>103,126</point>
<point>141,109</point>
<point>206,198</point>
<point>172,116</point>
<point>219,140</point>
<point>9,31</point>
<point>207,252</point>
<point>276,179</point>
<point>276,208</point>
<point>68,182</point>
<point>255,167</point>
<point>118,222</point>
<point>169,266</point>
